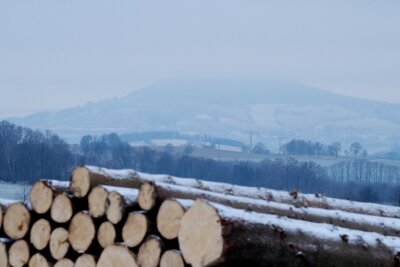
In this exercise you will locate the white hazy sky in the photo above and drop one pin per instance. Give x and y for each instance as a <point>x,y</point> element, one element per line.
<point>56,54</point>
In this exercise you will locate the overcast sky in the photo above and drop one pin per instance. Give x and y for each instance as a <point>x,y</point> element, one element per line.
<point>56,54</point>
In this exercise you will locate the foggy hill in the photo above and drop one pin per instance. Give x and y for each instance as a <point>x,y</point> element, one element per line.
<point>232,108</point>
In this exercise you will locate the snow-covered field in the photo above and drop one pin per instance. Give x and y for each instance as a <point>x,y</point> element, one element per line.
<point>13,191</point>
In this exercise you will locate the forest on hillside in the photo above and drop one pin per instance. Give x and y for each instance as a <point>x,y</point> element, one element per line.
<point>27,155</point>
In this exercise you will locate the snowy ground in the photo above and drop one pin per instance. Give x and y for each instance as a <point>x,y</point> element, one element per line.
<point>13,191</point>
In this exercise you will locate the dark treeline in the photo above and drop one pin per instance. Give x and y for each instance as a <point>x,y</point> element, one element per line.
<point>27,155</point>
<point>280,173</point>
<point>302,147</point>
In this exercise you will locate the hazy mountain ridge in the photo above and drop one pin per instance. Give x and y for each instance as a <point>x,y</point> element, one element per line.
<point>232,109</point>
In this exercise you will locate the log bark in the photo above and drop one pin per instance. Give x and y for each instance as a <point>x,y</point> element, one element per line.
<point>38,260</point>
<point>150,252</point>
<point>169,218</point>
<point>59,244</point>
<point>42,193</point>
<point>211,233</point>
<point>383,225</point>
<point>114,256</point>
<point>40,234</point>
<point>135,229</point>
<point>3,252</point>
<point>16,221</point>
<point>64,263</point>
<point>19,254</point>
<point>106,234</point>
<point>86,260</point>
<point>81,232</point>
<point>85,178</point>
<point>61,208</point>
<point>172,258</point>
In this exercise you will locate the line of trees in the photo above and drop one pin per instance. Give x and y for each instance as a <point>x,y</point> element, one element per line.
<point>26,155</point>
<point>302,147</point>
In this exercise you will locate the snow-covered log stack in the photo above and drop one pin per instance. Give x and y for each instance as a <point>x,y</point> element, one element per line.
<point>126,218</point>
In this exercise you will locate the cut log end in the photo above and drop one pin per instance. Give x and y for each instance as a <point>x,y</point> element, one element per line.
<point>40,234</point>
<point>114,256</point>
<point>147,196</point>
<point>81,232</point>
<point>41,197</point>
<point>85,260</point>
<point>3,255</point>
<point>172,258</point>
<point>19,254</point>
<point>97,201</point>
<point>150,252</point>
<point>59,244</point>
<point>80,182</point>
<point>115,207</point>
<point>38,260</point>
<point>200,235</point>
<point>64,263</point>
<point>106,234</point>
<point>134,229</point>
<point>61,209</point>
<point>169,218</point>
<point>16,221</point>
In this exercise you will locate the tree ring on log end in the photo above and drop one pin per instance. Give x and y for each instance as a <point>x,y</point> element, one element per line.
<point>80,182</point>
<point>115,256</point>
<point>200,235</point>
<point>41,197</point>
<point>16,221</point>
<point>169,218</point>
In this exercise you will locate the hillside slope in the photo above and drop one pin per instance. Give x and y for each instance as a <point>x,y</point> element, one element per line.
<point>232,108</point>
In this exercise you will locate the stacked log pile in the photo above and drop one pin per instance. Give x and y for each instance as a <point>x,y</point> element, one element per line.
<point>111,218</point>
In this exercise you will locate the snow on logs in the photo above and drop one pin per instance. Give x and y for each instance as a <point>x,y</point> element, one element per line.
<point>213,233</point>
<point>114,218</point>
<point>86,177</point>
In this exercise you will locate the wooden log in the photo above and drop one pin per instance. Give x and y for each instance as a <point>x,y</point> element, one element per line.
<point>61,208</point>
<point>3,252</point>
<point>135,229</point>
<point>19,253</point>
<point>383,225</point>
<point>135,179</point>
<point>40,234</point>
<point>150,252</point>
<point>16,221</point>
<point>118,202</point>
<point>172,258</point>
<point>85,178</point>
<point>98,198</point>
<point>38,260</point>
<point>147,196</point>
<point>42,193</point>
<point>81,231</point>
<point>86,260</point>
<point>97,201</point>
<point>64,263</point>
<point>114,256</point>
<point>211,233</point>
<point>59,244</point>
<point>106,234</point>
<point>169,218</point>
